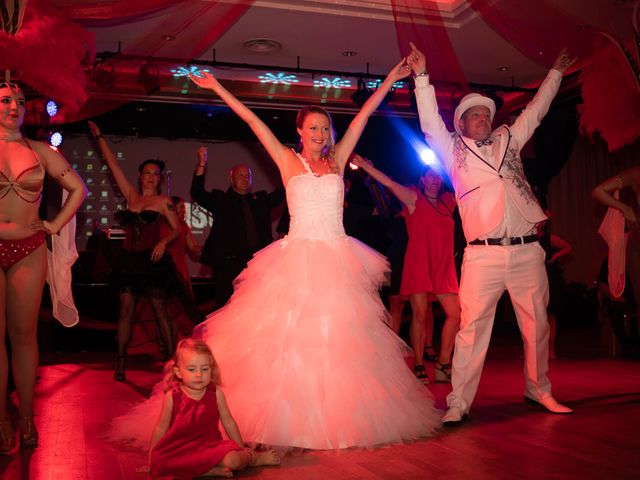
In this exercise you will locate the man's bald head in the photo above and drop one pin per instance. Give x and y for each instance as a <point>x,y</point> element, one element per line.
<point>240,179</point>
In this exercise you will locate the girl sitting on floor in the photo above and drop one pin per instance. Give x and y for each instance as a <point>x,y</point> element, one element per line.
<point>186,441</point>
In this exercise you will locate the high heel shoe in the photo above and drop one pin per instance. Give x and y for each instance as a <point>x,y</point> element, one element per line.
<point>418,371</point>
<point>119,375</point>
<point>28,432</point>
<point>7,440</point>
<point>443,372</point>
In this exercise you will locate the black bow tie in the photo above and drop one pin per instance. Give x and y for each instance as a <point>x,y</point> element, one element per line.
<point>481,143</point>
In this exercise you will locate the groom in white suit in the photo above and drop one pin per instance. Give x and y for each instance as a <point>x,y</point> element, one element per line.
<point>500,215</point>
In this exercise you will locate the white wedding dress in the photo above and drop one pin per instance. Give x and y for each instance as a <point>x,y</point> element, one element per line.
<point>306,357</point>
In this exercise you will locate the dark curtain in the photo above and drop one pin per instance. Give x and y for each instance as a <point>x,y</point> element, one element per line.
<point>552,144</point>
<point>576,217</point>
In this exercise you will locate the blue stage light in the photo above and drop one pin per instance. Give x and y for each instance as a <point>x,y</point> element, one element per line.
<point>55,139</point>
<point>428,157</point>
<point>52,108</point>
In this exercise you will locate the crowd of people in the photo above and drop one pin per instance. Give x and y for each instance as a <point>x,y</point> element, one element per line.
<point>306,308</point>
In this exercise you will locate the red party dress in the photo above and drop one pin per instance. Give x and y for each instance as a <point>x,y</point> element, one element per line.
<point>428,262</point>
<point>193,444</point>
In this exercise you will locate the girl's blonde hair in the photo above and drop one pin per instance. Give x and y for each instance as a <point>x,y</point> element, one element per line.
<point>171,380</point>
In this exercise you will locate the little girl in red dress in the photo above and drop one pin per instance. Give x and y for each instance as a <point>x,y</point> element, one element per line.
<point>186,441</point>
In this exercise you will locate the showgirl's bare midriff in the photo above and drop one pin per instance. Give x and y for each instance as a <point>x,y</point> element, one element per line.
<point>15,218</point>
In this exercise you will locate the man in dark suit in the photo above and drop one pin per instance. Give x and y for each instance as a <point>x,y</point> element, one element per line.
<point>242,223</point>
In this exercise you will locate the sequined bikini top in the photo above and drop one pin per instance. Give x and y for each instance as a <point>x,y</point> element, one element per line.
<point>28,184</point>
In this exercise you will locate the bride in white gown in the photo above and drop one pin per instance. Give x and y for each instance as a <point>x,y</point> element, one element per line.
<point>306,357</point>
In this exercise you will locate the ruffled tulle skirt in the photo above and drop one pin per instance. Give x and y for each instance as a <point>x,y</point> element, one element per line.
<point>306,357</point>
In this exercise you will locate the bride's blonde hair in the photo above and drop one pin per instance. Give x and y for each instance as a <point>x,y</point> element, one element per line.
<point>329,149</point>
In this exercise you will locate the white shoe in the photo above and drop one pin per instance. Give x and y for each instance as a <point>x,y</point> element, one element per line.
<point>453,416</point>
<point>550,403</point>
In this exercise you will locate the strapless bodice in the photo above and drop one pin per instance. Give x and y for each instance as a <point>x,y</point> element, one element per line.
<point>143,228</point>
<point>316,204</point>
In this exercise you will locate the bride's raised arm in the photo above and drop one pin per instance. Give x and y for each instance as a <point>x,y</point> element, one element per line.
<point>277,150</point>
<point>349,140</point>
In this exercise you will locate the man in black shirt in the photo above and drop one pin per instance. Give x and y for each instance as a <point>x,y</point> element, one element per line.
<point>242,223</point>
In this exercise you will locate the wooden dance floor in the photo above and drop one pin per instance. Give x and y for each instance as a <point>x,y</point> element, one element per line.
<point>502,439</point>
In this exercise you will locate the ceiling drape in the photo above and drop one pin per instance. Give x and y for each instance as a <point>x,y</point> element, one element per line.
<point>193,26</point>
<point>99,12</point>
<point>610,80</point>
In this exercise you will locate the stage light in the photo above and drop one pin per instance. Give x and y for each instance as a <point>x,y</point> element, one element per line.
<point>189,70</point>
<point>428,157</point>
<point>366,89</point>
<point>335,82</point>
<point>374,84</point>
<point>55,139</point>
<point>52,108</point>
<point>278,78</point>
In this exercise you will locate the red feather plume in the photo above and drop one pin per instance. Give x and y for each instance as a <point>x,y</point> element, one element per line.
<point>47,53</point>
<point>611,90</point>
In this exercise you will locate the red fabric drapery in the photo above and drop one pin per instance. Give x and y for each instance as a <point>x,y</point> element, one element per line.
<point>114,11</point>
<point>432,39</point>
<point>611,94</point>
<point>538,30</point>
<point>194,24</point>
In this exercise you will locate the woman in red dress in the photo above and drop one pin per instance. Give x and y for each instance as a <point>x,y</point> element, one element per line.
<point>429,271</point>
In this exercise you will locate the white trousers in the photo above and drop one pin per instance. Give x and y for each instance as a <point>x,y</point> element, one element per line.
<point>487,271</point>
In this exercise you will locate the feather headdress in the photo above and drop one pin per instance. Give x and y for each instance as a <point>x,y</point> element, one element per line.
<point>611,89</point>
<point>45,50</point>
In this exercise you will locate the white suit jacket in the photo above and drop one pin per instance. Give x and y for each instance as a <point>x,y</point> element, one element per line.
<point>483,184</point>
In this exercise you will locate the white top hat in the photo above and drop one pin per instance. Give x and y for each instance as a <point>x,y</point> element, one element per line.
<point>472,100</point>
